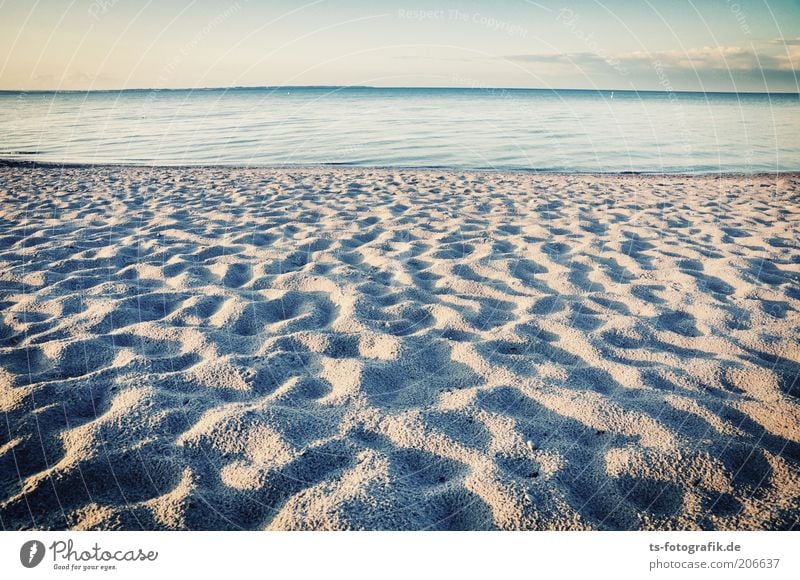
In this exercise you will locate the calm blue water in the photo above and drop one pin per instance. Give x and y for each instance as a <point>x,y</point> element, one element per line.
<point>463,128</point>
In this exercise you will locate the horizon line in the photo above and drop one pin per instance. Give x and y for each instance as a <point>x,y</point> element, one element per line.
<point>371,87</point>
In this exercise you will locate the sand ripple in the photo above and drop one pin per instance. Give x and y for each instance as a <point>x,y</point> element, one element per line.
<point>340,349</point>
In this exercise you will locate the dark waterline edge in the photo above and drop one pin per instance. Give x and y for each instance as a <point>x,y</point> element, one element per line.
<point>23,164</point>
<point>336,88</point>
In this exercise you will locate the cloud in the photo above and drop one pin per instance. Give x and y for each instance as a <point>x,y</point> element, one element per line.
<point>579,59</point>
<point>717,58</point>
<point>561,57</point>
<point>786,41</point>
<point>425,57</point>
<point>714,59</point>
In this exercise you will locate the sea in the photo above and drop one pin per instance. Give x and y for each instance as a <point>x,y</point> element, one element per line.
<point>479,128</point>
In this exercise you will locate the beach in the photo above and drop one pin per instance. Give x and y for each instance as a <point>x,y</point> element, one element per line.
<point>324,348</point>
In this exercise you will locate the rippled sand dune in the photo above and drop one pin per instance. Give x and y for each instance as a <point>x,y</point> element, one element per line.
<point>218,348</point>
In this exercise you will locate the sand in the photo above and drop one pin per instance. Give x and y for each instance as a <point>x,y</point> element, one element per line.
<point>212,348</point>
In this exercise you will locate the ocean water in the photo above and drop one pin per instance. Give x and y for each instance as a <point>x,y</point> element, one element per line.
<point>544,130</point>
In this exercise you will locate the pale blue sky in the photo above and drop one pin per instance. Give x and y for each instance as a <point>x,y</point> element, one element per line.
<point>746,45</point>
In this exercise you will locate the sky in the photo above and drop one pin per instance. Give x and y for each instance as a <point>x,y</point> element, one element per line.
<point>670,45</point>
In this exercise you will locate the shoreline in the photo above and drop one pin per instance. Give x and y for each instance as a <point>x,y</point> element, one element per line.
<point>335,88</point>
<point>441,169</point>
